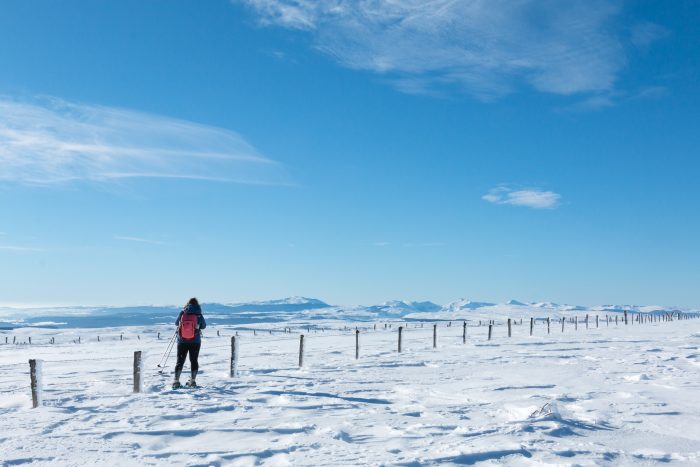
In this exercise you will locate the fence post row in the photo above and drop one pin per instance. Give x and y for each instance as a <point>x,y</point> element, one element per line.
<point>35,366</point>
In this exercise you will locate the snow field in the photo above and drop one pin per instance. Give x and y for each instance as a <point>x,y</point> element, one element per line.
<point>612,395</point>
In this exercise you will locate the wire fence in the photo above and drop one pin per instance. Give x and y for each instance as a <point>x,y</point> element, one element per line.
<point>258,347</point>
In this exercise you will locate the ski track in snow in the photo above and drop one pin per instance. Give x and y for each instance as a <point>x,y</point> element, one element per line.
<point>608,396</point>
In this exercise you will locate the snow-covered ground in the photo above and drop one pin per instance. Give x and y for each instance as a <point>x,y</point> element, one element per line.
<point>609,395</point>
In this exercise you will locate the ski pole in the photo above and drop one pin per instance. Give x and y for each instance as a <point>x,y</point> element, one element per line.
<point>162,357</point>
<point>167,351</point>
<point>166,358</point>
<point>161,365</point>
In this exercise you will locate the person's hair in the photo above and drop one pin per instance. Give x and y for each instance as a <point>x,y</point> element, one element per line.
<point>192,301</point>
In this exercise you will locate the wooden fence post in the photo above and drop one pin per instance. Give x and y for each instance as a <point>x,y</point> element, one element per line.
<point>434,335</point>
<point>357,344</point>
<point>563,320</point>
<point>400,333</point>
<point>586,321</point>
<point>301,351</point>
<point>576,323</point>
<point>490,328</point>
<point>30,340</point>
<point>509,329</point>
<point>532,325</point>
<point>138,367</point>
<point>233,371</point>
<point>548,323</point>
<point>625,318</point>
<point>464,333</point>
<point>35,378</point>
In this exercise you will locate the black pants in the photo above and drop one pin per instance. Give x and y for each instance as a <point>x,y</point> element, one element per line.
<point>182,350</point>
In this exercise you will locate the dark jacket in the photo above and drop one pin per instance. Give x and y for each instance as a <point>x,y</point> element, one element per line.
<point>197,310</point>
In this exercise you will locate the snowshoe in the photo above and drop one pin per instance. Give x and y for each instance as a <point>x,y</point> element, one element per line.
<point>176,385</point>
<point>191,383</point>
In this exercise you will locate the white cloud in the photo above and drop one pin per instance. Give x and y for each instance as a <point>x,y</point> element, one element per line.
<point>50,140</point>
<point>535,199</point>
<point>138,240</point>
<point>485,47</point>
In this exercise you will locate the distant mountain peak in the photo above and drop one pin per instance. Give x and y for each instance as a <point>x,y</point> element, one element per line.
<point>400,307</point>
<point>465,304</point>
<point>516,302</point>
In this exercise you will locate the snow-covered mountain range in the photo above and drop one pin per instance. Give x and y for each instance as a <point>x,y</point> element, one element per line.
<point>294,308</point>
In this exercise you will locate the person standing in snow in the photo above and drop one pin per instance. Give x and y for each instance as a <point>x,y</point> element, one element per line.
<point>190,323</point>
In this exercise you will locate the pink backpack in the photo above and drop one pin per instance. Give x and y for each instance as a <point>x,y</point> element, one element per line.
<point>188,326</point>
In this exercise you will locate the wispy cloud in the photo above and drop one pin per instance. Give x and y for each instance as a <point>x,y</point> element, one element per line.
<point>484,47</point>
<point>410,244</point>
<point>423,245</point>
<point>536,199</point>
<point>19,249</point>
<point>138,240</point>
<point>646,33</point>
<point>49,140</point>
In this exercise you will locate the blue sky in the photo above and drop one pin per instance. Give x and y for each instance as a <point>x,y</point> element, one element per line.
<point>352,151</point>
